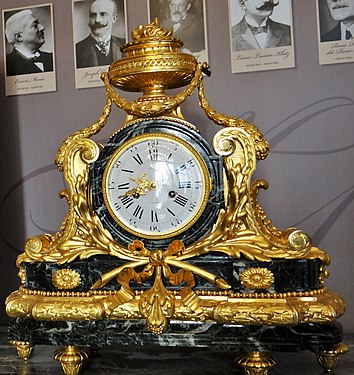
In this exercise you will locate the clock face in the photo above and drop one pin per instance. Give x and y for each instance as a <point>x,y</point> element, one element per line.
<point>157,180</point>
<point>156,185</point>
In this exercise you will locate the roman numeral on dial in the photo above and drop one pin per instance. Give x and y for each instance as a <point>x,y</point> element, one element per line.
<point>138,212</point>
<point>185,184</point>
<point>123,186</point>
<point>171,212</point>
<point>153,152</point>
<point>127,201</point>
<point>138,159</point>
<point>189,164</point>
<point>180,169</point>
<point>181,200</point>
<point>154,217</point>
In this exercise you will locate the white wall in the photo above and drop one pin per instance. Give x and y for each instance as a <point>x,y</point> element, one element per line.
<point>306,113</point>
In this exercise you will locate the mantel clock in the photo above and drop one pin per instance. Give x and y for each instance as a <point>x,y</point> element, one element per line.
<point>164,234</point>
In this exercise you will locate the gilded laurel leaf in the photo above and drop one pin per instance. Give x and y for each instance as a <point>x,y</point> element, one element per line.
<point>316,253</point>
<point>249,251</point>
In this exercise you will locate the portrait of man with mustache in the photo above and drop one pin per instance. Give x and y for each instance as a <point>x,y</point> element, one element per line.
<point>342,12</point>
<point>25,34</point>
<point>185,18</point>
<point>100,47</point>
<point>257,30</point>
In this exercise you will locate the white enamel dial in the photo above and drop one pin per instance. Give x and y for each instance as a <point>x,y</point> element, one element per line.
<point>156,185</point>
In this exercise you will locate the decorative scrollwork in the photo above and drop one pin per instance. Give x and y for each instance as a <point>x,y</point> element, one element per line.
<point>243,229</point>
<point>86,132</point>
<point>296,242</point>
<point>81,234</point>
<point>235,231</point>
<point>261,144</point>
<point>239,231</point>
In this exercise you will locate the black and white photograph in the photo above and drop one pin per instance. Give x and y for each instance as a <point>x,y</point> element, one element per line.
<point>261,36</point>
<point>99,33</point>
<point>29,50</point>
<point>186,18</point>
<point>335,20</point>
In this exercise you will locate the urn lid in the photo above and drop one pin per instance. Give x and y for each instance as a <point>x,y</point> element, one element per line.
<point>152,61</point>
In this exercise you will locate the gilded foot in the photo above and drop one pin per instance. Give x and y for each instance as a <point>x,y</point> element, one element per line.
<point>24,349</point>
<point>328,359</point>
<point>255,363</point>
<point>71,359</point>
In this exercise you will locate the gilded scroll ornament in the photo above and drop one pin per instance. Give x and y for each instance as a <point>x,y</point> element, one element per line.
<point>239,231</point>
<point>86,132</point>
<point>260,143</point>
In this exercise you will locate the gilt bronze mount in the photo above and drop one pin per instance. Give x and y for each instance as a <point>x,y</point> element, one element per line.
<point>229,273</point>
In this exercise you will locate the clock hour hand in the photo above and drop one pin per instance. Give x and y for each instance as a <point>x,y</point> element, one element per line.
<point>144,186</point>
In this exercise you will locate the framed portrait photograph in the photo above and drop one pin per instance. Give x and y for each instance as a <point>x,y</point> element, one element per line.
<point>335,31</point>
<point>100,30</point>
<point>29,50</point>
<point>187,20</point>
<point>261,35</point>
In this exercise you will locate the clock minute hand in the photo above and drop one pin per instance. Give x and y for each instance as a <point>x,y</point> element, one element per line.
<point>144,186</point>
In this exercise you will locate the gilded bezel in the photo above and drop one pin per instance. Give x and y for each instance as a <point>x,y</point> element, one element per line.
<point>206,184</point>
<point>182,130</point>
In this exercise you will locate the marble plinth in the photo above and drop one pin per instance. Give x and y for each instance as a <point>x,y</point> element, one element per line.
<point>157,360</point>
<point>228,337</point>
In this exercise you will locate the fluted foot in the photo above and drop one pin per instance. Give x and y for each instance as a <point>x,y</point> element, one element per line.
<point>328,359</point>
<point>255,363</point>
<point>71,359</point>
<point>24,349</point>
